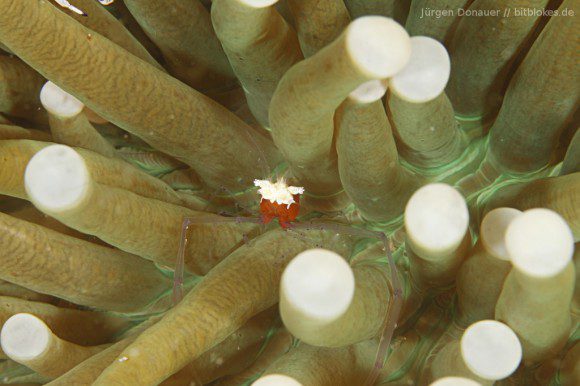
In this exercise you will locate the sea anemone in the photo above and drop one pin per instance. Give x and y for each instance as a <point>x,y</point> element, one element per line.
<point>289,192</point>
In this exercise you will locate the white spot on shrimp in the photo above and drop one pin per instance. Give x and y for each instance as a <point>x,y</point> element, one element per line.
<point>278,192</point>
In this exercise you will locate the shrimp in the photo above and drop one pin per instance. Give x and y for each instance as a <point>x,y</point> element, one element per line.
<point>279,201</point>
<point>282,202</point>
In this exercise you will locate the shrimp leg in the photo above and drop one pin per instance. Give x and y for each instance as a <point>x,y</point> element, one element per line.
<point>180,262</point>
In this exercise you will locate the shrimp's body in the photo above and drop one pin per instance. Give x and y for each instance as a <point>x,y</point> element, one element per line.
<point>279,201</point>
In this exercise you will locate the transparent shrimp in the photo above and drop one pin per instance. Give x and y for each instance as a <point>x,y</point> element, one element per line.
<point>293,226</point>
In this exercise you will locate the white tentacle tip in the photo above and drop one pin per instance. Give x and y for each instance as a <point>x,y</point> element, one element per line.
<point>56,178</point>
<point>436,219</point>
<point>317,285</point>
<point>426,74</point>
<point>539,243</point>
<point>378,45</point>
<point>493,230</point>
<point>276,380</point>
<point>491,350</point>
<point>24,337</point>
<point>455,381</point>
<point>258,3</point>
<point>369,92</point>
<point>58,102</point>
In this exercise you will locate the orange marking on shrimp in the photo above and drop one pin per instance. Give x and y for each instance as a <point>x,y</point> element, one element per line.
<point>279,201</point>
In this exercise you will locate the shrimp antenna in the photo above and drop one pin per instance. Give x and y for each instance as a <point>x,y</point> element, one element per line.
<point>393,312</point>
<point>262,159</point>
<point>179,265</point>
